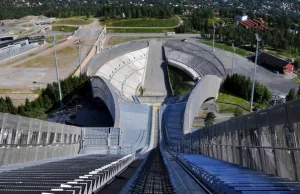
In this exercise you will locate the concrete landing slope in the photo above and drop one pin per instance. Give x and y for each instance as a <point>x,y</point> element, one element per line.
<point>156,81</point>
<point>135,125</point>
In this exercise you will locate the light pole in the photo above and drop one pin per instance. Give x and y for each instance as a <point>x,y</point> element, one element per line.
<point>79,57</point>
<point>57,73</point>
<point>232,58</point>
<point>213,48</point>
<point>254,74</point>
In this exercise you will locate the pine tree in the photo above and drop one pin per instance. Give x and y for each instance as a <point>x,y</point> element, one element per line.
<point>47,102</point>
<point>292,95</point>
<point>21,110</point>
<point>209,119</point>
<point>10,106</point>
<point>27,105</point>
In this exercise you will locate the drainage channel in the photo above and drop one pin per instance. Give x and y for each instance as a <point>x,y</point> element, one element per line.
<point>154,177</point>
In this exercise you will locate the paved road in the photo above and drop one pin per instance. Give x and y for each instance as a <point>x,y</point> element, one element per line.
<point>275,82</point>
<point>155,83</point>
<point>88,35</point>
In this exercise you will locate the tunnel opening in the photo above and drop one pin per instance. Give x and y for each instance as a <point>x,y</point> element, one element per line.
<point>81,109</point>
<point>208,105</point>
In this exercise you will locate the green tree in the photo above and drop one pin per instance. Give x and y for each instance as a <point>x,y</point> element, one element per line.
<point>87,15</point>
<point>209,119</point>
<point>297,63</point>
<point>10,106</point>
<point>129,15</point>
<point>139,13</point>
<point>238,112</point>
<point>21,110</point>
<point>47,102</point>
<point>292,95</point>
<point>27,106</point>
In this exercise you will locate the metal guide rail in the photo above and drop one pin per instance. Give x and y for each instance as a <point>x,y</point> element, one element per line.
<point>80,175</point>
<point>154,176</point>
<point>226,178</point>
<point>183,180</point>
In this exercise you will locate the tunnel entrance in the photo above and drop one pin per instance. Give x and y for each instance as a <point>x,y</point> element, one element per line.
<point>208,105</point>
<point>81,109</point>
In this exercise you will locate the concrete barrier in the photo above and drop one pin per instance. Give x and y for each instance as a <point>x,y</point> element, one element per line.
<point>207,87</point>
<point>93,51</point>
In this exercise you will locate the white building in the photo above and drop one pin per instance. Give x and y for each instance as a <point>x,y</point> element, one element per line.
<point>241,18</point>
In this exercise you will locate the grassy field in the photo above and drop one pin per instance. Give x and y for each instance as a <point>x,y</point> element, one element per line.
<point>226,47</point>
<point>297,79</point>
<point>280,52</point>
<point>119,39</point>
<point>49,39</point>
<point>64,28</point>
<point>226,103</point>
<point>140,30</point>
<point>180,81</point>
<point>73,21</point>
<point>143,22</point>
<point>64,56</point>
<point>17,91</point>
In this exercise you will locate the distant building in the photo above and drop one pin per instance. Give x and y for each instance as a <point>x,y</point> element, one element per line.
<point>275,64</point>
<point>43,22</point>
<point>254,24</point>
<point>6,38</point>
<point>241,17</point>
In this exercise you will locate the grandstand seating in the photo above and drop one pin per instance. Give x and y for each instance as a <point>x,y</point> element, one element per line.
<point>113,53</point>
<point>125,72</point>
<point>15,50</point>
<point>194,56</point>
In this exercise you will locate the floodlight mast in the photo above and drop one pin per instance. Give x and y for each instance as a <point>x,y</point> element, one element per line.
<point>233,48</point>
<point>258,39</point>
<point>57,73</point>
<point>79,56</point>
<point>213,48</point>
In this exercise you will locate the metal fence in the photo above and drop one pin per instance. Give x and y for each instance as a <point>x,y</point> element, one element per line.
<point>267,140</point>
<point>23,139</point>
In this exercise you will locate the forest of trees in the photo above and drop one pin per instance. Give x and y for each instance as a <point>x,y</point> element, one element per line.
<point>12,12</point>
<point>138,12</point>
<point>48,98</point>
<point>240,86</point>
<point>278,38</point>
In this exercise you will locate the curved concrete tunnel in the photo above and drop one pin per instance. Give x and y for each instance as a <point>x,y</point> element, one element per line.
<point>102,89</point>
